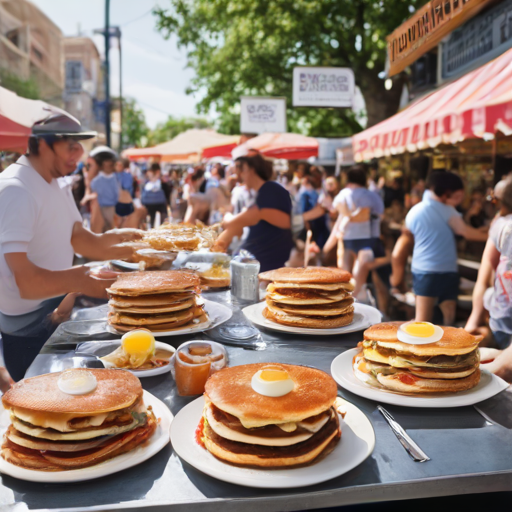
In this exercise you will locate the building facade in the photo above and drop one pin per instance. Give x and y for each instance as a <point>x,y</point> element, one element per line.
<point>31,48</point>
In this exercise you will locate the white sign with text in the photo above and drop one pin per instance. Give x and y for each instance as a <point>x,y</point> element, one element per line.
<point>323,87</point>
<point>260,115</point>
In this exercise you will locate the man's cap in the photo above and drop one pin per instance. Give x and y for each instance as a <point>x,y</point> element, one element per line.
<point>98,150</point>
<point>61,125</point>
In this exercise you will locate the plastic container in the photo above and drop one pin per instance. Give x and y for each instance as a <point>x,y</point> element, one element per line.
<point>191,365</point>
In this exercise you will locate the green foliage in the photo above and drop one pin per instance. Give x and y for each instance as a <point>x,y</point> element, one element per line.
<point>25,88</point>
<point>250,47</point>
<point>173,126</point>
<point>135,130</point>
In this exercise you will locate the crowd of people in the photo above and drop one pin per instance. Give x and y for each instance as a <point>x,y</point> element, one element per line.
<point>369,225</point>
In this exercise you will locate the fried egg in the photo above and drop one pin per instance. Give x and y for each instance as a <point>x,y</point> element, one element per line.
<point>419,333</point>
<point>272,381</point>
<point>139,346</point>
<point>77,382</point>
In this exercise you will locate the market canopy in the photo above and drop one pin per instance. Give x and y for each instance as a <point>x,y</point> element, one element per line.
<point>478,104</point>
<point>222,148</point>
<point>289,146</point>
<point>17,115</point>
<point>187,147</point>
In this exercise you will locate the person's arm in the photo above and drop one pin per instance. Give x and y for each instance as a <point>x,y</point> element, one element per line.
<point>490,260</point>
<point>36,283</point>
<point>315,213</point>
<point>102,247</point>
<point>459,227</point>
<point>401,251</point>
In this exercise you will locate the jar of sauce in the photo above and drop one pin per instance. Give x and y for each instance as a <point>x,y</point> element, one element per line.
<point>194,362</point>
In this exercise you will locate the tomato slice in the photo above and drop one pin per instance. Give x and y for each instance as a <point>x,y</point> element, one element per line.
<point>199,434</point>
<point>407,378</point>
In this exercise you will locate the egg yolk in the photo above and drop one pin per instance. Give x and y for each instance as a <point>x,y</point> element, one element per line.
<point>420,329</point>
<point>272,375</point>
<point>138,342</point>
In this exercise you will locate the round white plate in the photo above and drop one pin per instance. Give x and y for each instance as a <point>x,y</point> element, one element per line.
<point>364,317</point>
<point>343,374</point>
<point>217,314</point>
<point>356,444</point>
<point>151,372</point>
<point>155,443</point>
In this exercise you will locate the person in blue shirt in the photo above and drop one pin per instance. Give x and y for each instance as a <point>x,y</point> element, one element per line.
<point>105,184</point>
<point>269,219</point>
<point>308,198</point>
<point>434,223</point>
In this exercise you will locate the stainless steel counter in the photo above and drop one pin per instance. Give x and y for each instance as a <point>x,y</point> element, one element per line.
<point>469,455</point>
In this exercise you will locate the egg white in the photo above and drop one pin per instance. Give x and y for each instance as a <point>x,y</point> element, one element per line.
<point>77,382</point>
<point>271,388</point>
<point>416,340</point>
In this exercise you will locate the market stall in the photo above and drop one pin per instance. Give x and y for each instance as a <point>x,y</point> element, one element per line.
<point>187,147</point>
<point>289,146</point>
<point>475,106</point>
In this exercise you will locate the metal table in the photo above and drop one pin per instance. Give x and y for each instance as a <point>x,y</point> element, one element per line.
<point>469,455</point>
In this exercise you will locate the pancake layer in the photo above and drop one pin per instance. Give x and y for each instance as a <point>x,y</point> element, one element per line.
<point>446,366</point>
<point>159,301</point>
<point>312,297</point>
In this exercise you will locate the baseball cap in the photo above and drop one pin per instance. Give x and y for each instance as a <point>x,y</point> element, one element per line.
<point>59,125</point>
<point>102,150</point>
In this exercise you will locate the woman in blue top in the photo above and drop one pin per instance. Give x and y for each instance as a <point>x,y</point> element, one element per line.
<point>269,219</point>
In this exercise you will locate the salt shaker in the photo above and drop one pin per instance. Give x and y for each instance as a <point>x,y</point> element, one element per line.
<point>244,277</point>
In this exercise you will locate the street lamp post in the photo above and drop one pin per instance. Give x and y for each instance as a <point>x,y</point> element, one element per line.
<point>107,72</point>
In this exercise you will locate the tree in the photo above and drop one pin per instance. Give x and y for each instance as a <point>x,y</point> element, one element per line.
<point>173,126</point>
<point>250,47</point>
<point>24,88</point>
<point>135,130</point>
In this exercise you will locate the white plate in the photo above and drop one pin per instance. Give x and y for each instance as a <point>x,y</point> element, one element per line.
<point>364,317</point>
<point>157,441</point>
<point>356,444</point>
<point>145,373</point>
<point>217,314</point>
<point>343,374</point>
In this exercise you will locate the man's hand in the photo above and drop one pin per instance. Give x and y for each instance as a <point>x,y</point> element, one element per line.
<point>106,246</point>
<point>118,236</point>
<point>36,283</point>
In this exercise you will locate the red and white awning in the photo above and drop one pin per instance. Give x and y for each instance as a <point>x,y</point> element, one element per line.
<point>479,103</point>
<point>289,146</point>
<point>17,115</point>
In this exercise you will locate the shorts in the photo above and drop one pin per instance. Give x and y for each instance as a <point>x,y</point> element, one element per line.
<point>443,286</point>
<point>502,339</point>
<point>124,209</point>
<point>359,244</point>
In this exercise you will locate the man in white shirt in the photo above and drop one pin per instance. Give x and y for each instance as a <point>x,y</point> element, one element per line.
<point>40,231</point>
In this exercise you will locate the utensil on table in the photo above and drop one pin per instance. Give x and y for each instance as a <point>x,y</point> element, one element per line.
<point>417,454</point>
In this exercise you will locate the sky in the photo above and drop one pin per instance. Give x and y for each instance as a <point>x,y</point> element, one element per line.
<point>154,69</point>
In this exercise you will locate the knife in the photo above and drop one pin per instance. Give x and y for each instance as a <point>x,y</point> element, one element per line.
<point>417,454</point>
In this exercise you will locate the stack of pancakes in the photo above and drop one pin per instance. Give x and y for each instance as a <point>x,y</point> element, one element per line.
<point>246,428</point>
<point>54,431</point>
<point>446,366</point>
<point>315,297</point>
<point>158,301</point>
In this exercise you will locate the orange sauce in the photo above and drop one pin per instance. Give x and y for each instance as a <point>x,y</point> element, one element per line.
<point>407,378</point>
<point>191,378</point>
<point>200,433</point>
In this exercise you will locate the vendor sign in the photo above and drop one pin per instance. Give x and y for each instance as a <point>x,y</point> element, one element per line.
<point>323,87</point>
<point>260,115</point>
